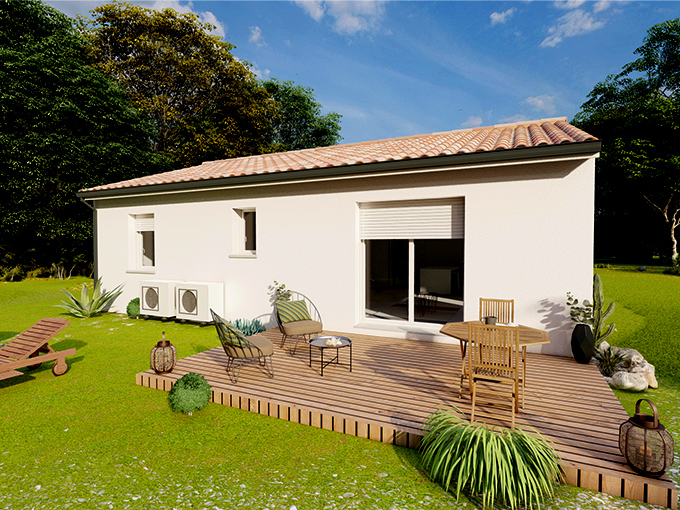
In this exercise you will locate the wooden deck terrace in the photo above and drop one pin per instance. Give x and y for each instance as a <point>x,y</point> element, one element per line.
<point>395,384</point>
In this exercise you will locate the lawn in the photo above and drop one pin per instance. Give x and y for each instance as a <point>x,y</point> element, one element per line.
<point>93,439</point>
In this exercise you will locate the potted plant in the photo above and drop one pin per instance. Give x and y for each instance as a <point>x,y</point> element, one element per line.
<point>590,330</point>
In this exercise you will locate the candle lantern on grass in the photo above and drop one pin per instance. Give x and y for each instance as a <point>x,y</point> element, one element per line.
<point>645,443</point>
<point>163,356</point>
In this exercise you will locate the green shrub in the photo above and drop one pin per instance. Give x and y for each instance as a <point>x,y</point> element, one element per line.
<point>608,360</point>
<point>12,274</point>
<point>38,272</point>
<point>133,308</point>
<point>190,393</point>
<point>511,467</point>
<point>249,328</point>
<point>675,271</point>
<point>86,306</point>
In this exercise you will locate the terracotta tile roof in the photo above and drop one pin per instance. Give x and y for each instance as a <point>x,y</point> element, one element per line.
<point>467,141</point>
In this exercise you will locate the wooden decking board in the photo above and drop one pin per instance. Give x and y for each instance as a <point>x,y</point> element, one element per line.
<point>395,384</point>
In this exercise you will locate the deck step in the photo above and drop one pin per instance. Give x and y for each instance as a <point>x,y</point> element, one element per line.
<point>10,373</point>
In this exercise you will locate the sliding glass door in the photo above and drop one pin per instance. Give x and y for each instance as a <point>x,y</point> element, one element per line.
<point>414,260</point>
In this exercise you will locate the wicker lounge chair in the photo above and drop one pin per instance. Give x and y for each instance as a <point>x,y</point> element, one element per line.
<point>298,319</point>
<point>31,348</point>
<point>240,348</point>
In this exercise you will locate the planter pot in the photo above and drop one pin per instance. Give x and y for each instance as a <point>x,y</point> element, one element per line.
<point>582,343</point>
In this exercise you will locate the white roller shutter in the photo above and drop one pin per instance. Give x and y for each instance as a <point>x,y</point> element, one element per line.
<point>413,219</point>
<point>144,223</point>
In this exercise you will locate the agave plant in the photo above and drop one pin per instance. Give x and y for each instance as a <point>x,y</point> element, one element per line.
<point>512,467</point>
<point>88,306</point>
<point>608,360</point>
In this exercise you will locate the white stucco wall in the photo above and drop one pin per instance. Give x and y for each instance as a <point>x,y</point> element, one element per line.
<point>528,236</point>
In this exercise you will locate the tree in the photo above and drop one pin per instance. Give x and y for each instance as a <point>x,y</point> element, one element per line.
<point>299,123</point>
<point>203,102</point>
<point>636,113</point>
<point>63,126</point>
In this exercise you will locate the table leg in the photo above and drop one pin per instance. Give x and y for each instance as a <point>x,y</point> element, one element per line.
<point>322,361</point>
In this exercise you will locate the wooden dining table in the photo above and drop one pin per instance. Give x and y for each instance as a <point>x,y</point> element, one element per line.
<point>527,336</point>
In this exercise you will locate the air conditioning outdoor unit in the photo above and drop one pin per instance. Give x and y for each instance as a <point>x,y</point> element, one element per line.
<point>157,298</point>
<point>195,299</point>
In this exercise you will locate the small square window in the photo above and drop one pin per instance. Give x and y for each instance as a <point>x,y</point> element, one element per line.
<point>142,242</point>
<point>244,233</point>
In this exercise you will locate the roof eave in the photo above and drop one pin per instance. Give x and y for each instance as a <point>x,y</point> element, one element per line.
<point>586,149</point>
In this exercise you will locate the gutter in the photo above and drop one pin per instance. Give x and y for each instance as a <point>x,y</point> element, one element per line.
<point>503,157</point>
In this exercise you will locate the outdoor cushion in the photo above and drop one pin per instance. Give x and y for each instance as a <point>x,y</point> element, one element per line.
<point>233,335</point>
<point>302,327</point>
<point>262,343</point>
<point>292,311</point>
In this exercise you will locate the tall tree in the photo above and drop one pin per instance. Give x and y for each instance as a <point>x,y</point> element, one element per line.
<point>637,115</point>
<point>204,103</point>
<point>299,123</point>
<point>63,126</point>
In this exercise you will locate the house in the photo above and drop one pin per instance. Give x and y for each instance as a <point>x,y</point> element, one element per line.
<point>390,237</point>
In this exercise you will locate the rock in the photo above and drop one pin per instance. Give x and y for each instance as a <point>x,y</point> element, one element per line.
<point>642,368</point>
<point>629,381</point>
<point>604,345</point>
<point>631,357</point>
<point>651,380</point>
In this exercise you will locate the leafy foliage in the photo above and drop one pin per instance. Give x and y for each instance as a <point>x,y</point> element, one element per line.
<point>88,306</point>
<point>636,113</point>
<point>511,467</point>
<point>133,308</point>
<point>593,313</point>
<point>190,393</point>
<point>249,327</point>
<point>608,360</point>
<point>280,291</point>
<point>204,103</point>
<point>299,123</point>
<point>64,126</point>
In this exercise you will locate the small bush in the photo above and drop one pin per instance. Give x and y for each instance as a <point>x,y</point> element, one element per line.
<point>12,274</point>
<point>675,271</point>
<point>133,308</point>
<point>249,328</point>
<point>608,360</point>
<point>511,467</point>
<point>190,393</point>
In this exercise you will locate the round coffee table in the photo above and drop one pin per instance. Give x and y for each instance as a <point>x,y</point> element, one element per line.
<point>320,343</point>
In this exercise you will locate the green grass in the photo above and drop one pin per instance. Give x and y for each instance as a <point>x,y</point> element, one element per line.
<point>93,439</point>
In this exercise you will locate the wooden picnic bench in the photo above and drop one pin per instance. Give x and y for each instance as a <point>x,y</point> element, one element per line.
<point>31,348</point>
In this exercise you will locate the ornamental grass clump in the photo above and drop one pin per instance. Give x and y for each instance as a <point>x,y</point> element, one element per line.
<point>190,393</point>
<point>511,466</point>
<point>88,306</point>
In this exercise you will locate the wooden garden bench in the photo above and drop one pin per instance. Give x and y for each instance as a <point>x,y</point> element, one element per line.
<point>31,348</point>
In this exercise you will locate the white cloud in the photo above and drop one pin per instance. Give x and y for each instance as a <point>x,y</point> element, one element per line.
<point>601,5</point>
<point>502,17</point>
<point>256,36</point>
<point>471,122</point>
<point>206,16</point>
<point>577,22</point>
<point>349,16</point>
<point>544,103</point>
<point>262,74</point>
<point>568,4</point>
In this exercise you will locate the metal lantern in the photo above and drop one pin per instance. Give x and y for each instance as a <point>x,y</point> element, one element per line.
<point>163,356</point>
<point>645,443</point>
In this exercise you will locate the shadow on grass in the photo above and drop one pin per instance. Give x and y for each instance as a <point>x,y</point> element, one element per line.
<point>6,335</point>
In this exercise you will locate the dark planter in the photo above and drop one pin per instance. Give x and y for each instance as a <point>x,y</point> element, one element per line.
<point>582,343</point>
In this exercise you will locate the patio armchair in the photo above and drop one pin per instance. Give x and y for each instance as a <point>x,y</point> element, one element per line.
<point>493,364</point>
<point>297,318</point>
<point>31,349</point>
<point>502,309</point>
<point>240,348</point>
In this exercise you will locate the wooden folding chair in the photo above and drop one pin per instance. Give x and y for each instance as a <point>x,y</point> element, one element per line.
<point>502,309</point>
<point>31,348</point>
<point>493,364</point>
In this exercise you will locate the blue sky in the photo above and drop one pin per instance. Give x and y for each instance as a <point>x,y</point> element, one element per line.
<point>398,68</point>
